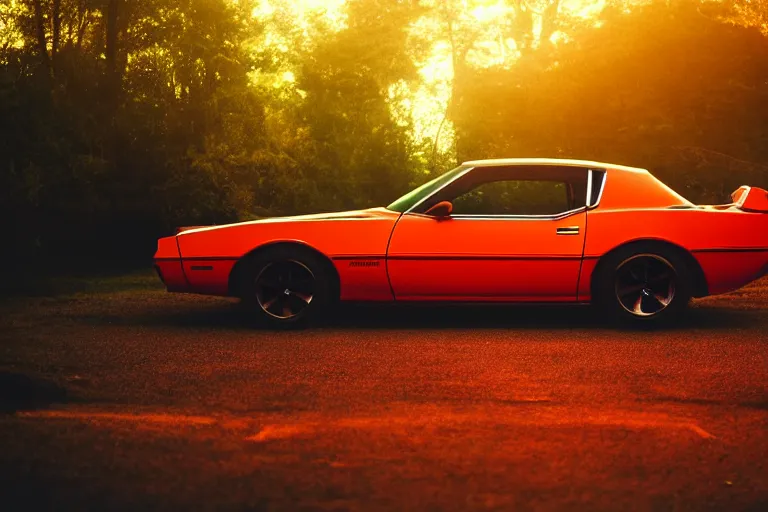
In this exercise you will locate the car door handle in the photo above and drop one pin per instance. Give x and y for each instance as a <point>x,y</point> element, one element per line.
<point>569,230</point>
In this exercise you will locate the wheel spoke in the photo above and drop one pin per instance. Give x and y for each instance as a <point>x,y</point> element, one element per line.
<point>638,308</point>
<point>271,302</point>
<point>651,304</point>
<point>629,290</point>
<point>635,274</point>
<point>304,297</point>
<point>270,282</point>
<point>295,303</point>
<point>305,287</point>
<point>659,277</point>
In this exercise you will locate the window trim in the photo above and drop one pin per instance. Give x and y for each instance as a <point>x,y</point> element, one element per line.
<point>591,184</point>
<point>556,216</point>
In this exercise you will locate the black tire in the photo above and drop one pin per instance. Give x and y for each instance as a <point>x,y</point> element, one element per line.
<point>656,303</point>
<point>305,301</point>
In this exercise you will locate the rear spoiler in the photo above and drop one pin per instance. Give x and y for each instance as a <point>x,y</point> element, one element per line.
<point>750,199</point>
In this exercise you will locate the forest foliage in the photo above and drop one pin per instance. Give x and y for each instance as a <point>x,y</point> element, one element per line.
<point>122,119</point>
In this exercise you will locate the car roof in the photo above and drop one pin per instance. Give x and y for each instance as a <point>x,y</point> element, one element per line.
<point>551,162</point>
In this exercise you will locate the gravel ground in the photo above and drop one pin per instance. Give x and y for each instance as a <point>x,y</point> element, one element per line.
<point>116,395</point>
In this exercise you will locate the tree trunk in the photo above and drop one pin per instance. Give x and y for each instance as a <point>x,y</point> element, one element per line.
<point>522,26</point>
<point>437,139</point>
<point>113,74</point>
<point>82,24</point>
<point>112,85</point>
<point>111,42</point>
<point>56,32</point>
<point>42,43</point>
<point>459,67</point>
<point>549,18</point>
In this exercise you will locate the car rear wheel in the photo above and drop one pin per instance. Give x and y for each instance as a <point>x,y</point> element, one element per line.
<point>286,286</point>
<point>644,284</point>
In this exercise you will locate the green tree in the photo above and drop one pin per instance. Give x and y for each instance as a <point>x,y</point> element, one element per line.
<point>359,154</point>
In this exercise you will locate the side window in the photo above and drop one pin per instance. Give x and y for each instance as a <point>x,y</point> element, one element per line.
<point>516,197</point>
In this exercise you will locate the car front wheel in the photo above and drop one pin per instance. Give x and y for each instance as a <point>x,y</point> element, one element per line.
<point>285,286</point>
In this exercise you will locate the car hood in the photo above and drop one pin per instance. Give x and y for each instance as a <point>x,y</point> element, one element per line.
<point>369,213</point>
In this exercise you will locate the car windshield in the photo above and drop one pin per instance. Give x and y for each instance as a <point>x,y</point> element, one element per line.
<point>414,196</point>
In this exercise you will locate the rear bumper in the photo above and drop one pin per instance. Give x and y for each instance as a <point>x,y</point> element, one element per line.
<point>730,269</point>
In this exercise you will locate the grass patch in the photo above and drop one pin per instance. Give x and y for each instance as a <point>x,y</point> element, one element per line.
<point>50,286</point>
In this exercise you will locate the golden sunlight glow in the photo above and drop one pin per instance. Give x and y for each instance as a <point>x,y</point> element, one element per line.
<point>484,24</point>
<point>430,99</point>
<point>8,30</point>
<point>272,14</point>
<point>301,10</point>
<point>583,8</point>
<point>263,10</point>
<point>486,13</point>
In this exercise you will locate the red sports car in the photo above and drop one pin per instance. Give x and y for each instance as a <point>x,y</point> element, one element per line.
<point>512,230</point>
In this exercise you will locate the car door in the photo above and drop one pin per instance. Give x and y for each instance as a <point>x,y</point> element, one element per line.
<point>514,235</point>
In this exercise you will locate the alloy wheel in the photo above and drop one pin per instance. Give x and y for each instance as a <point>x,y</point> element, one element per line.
<point>284,289</point>
<point>645,284</point>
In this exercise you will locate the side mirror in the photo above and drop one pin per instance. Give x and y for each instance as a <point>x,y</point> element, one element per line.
<point>441,210</point>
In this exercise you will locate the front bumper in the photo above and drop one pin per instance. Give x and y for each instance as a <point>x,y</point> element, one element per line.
<point>171,273</point>
<point>168,265</point>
